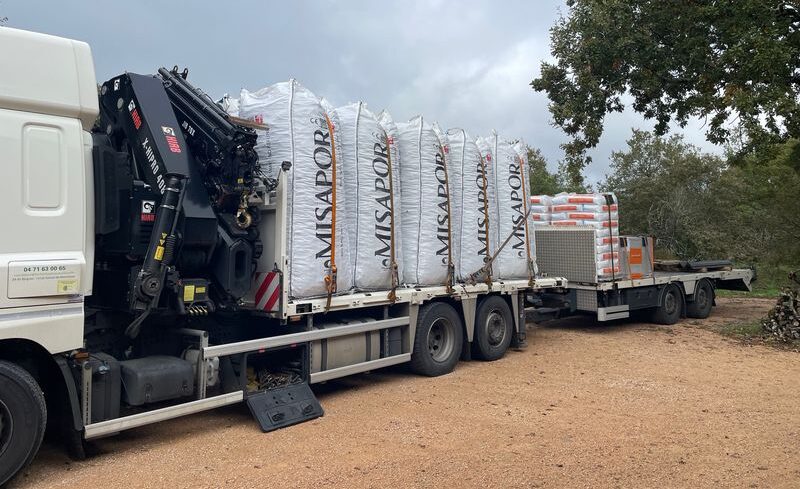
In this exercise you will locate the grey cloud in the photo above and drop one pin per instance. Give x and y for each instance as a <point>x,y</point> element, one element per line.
<point>464,63</point>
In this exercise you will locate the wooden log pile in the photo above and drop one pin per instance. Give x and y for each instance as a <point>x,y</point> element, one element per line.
<point>783,321</point>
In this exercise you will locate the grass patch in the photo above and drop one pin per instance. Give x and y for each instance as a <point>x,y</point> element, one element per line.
<point>751,332</point>
<point>744,330</point>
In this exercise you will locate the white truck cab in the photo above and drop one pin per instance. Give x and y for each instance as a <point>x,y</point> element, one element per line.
<point>48,104</point>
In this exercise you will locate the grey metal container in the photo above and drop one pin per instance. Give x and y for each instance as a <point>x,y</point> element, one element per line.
<point>155,379</point>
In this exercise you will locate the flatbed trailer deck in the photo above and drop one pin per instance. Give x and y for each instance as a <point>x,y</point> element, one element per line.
<point>668,295</point>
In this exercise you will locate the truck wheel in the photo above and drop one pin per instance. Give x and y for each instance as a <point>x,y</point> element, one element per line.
<point>493,329</point>
<point>438,341</point>
<point>700,307</point>
<point>669,311</point>
<point>23,416</point>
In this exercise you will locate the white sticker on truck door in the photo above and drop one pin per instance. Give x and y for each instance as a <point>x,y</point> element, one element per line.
<point>43,278</point>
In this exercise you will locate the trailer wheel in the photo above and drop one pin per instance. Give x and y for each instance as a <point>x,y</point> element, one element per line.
<point>700,307</point>
<point>438,341</point>
<point>493,329</point>
<point>669,310</point>
<point>23,417</point>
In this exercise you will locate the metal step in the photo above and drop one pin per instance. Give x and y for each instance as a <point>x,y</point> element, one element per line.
<point>113,426</point>
<point>284,406</point>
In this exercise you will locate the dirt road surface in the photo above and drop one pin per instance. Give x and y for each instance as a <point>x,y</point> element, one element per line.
<point>586,405</point>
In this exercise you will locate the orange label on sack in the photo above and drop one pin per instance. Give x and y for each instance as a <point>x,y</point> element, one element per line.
<point>564,208</point>
<point>581,215</point>
<point>636,256</point>
<point>565,223</point>
<point>577,199</point>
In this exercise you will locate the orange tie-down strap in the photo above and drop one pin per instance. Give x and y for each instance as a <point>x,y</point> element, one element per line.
<point>330,279</point>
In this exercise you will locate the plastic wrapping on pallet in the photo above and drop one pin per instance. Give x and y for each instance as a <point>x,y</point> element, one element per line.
<point>471,222</point>
<point>425,205</point>
<point>369,183</point>
<point>515,260</point>
<point>585,216</point>
<point>300,133</point>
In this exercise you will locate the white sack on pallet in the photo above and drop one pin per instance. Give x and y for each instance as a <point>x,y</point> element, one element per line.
<point>514,261</point>
<point>366,175</point>
<point>471,222</point>
<point>584,216</point>
<point>425,204</point>
<point>543,200</point>
<point>300,132</point>
<point>595,199</point>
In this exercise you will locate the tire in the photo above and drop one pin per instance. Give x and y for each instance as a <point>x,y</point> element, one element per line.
<point>700,307</point>
<point>23,417</point>
<point>669,310</point>
<point>494,327</point>
<point>438,340</point>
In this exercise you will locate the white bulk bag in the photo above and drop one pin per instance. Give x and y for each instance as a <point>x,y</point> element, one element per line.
<point>471,222</point>
<point>393,141</point>
<point>515,259</point>
<point>425,221</point>
<point>522,151</point>
<point>366,172</point>
<point>454,188</point>
<point>301,133</point>
<point>229,105</point>
<point>485,150</point>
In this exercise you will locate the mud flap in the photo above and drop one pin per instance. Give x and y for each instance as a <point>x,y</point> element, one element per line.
<point>284,406</point>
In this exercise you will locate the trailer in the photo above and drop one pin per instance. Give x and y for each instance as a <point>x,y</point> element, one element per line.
<point>667,292</point>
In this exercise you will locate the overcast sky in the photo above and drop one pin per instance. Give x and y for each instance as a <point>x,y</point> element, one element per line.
<point>465,63</point>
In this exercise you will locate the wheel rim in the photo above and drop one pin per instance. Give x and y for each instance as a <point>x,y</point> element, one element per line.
<point>440,340</point>
<point>495,328</point>
<point>670,303</point>
<point>702,298</point>
<point>6,427</point>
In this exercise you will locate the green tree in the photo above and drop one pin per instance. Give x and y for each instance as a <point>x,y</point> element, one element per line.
<point>700,206</point>
<point>662,185</point>
<point>542,182</point>
<point>713,60</point>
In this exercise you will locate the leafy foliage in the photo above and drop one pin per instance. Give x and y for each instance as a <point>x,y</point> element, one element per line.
<point>675,60</point>
<point>700,206</point>
<point>544,182</point>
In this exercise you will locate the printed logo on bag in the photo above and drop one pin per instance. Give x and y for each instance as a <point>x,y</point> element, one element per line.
<point>483,238</point>
<point>515,184</point>
<point>443,218</point>
<point>383,217</point>
<point>323,181</point>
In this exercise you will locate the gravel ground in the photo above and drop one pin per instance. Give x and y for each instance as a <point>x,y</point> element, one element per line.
<point>586,405</point>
